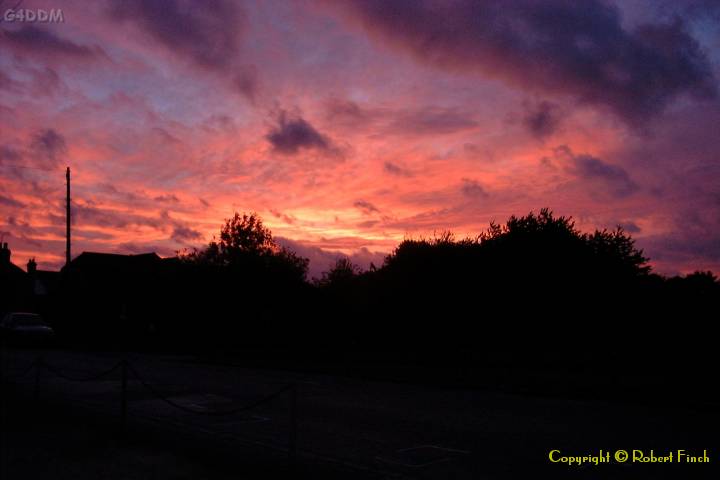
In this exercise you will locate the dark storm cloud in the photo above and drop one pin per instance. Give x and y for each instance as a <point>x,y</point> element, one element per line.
<point>431,120</point>
<point>283,216</point>
<point>9,154</point>
<point>246,82</point>
<point>167,198</point>
<point>554,46</point>
<point>32,40</point>
<point>397,170</point>
<point>630,226</point>
<point>10,202</point>
<point>603,177</point>
<point>366,207</point>
<point>183,234</point>
<point>541,119</point>
<point>291,135</point>
<point>615,177</point>
<point>48,147</point>
<point>88,214</point>
<point>472,189</point>
<point>347,112</point>
<point>322,260</point>
<point>206,32</point>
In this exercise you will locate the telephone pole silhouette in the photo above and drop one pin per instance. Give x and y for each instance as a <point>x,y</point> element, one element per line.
<point>67,219</point>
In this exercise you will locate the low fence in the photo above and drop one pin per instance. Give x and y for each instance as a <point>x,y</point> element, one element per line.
<point>127,369</point>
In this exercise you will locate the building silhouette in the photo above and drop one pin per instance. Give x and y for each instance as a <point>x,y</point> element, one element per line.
<point>15,283</point>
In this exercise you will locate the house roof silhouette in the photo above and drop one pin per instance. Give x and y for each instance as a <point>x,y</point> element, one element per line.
<point>111,275</point>
<point>15,284</point>
<point>114,262</point>
<point>45,281</point>
<point>8,270</point>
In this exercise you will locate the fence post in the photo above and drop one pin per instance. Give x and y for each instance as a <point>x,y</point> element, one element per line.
<point>123,395</point>
<point>292,450</point>
<point>38,368</point>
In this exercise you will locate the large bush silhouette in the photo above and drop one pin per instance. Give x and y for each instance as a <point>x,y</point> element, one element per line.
<point>245,243</point>
<point>530,291</point>
<point>341,273</point>
<point>526,257</point>
<point>533,288</point>
<point>238,288</point>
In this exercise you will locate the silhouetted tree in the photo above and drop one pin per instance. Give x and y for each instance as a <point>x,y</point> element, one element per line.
<point>703,281</point>
<point>341,273</point>
<point>240,287</point>
<point>518,283</point>
<point>616,250</point>
<point>543,223</point>
<point>246,243</point>
<point>698,284</point>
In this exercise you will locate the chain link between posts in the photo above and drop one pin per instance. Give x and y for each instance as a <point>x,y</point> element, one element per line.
<point>41,363</point>
<point>233,411</point>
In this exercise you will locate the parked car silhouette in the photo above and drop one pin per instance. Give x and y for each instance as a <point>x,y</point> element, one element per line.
<point>25,328</point>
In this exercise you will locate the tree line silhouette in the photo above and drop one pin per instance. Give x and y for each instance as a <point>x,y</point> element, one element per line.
<point>534,291</point>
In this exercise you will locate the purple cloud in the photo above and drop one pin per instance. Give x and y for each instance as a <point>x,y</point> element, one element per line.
<point>472,189</point>
<point>397,170</point>
<point>366,207</point>
<point>321,260</point>
<point>291,135</point>
<point>183,234</point>
<point>205,32</point>
<point>48,147</point>
<point>9,201</point>
<point>603,179</point>
<point>33,40</point>
<point>431,121</point>
<point>555,46</point>
<point>541,119</point>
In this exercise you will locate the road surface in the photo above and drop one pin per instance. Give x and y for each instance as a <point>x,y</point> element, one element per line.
<point>377,429</point>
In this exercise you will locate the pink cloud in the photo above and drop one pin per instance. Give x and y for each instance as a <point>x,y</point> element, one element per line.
<point>376,146</point>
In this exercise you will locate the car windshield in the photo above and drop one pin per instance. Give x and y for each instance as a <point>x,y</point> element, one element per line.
<point>27,320</point>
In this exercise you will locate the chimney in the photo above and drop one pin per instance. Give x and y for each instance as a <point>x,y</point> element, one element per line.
<point>31,266</point>
<point>4,253</point>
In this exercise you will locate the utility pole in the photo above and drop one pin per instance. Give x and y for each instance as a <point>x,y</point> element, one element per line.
<point>67,218</point>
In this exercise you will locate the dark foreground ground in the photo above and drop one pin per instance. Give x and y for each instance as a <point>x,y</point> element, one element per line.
<point>42,441</point>
<point>347,428</point>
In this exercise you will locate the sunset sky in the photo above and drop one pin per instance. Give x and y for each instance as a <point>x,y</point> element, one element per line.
<point>349,125</point>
